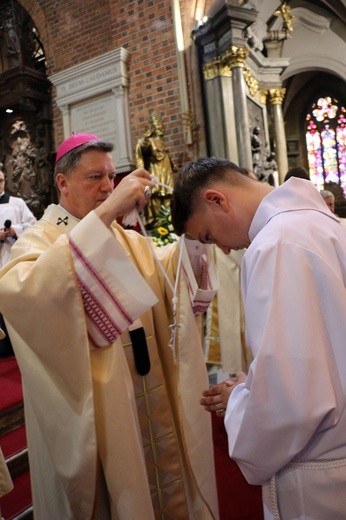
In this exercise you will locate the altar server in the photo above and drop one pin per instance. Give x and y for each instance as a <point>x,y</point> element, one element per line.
<point>286,420</point>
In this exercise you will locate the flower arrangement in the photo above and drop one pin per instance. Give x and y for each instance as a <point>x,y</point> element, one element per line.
<point>162,232</point>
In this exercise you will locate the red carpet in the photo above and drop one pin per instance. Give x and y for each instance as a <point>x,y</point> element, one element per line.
<point>238,500</point>
<point>10,383</point>
<point>13,442</point>
<point>17,500</point>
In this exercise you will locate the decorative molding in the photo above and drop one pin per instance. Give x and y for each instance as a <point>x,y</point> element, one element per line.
<point>285,20</point>
<point>311,21</point>
<point>315,61</point>
<point>92,77</point>
<point>251,82</point>
<point>263,96</point>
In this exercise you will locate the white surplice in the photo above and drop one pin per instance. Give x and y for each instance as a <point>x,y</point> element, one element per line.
<point>21,218</point>
<point>70,289</point>
<point>292,407</point>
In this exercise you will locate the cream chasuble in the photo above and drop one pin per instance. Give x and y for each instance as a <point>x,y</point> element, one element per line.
<point>225,342</point>
<point>5,479</point>
<point>86,406</point>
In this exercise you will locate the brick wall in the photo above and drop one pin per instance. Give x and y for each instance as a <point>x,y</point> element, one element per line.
<point>75,31</point>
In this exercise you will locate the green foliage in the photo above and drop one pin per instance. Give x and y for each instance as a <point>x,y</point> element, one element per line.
<point>162,232</point>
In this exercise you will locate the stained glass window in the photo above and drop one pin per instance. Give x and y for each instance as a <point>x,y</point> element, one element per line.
<point>326,142</point>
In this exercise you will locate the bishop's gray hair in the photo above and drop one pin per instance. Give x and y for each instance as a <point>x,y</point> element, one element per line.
<point>69,161</point>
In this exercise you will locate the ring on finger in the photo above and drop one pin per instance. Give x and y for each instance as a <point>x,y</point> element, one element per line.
<point>147,191</point>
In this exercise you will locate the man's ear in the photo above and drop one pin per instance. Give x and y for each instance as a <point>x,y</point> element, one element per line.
<point>61,182</point>
<point>216,200</point>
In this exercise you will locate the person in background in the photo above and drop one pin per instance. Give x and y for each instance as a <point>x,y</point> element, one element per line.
<point>107,357</point>
<point>329,199</point>
<point>285,419</point>
<point>297,171</point>
<point>15,217</point>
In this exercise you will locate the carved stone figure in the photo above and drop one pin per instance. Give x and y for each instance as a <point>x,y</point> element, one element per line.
<point>11,46</point>
<point>256,149</point>
<point>28,166</point>
<point>271,175</point>
<point>23,174</point>
<point>12,40</point>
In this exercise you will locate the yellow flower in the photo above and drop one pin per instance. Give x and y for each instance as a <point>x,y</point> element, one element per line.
<point>162,231</point>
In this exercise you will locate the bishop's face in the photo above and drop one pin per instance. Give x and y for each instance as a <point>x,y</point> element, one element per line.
<point>89,184</point>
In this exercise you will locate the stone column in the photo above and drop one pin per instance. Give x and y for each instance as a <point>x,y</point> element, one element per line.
<point>228,107</point>
<point>237,57</point>
<point>276,97</point>
<point>214,108</point>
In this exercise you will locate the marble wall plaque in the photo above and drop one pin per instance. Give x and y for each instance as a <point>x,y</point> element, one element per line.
<point>93,97</point>
<point>96,116</point>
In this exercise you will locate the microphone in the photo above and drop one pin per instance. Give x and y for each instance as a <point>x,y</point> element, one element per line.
<point>7,225</point>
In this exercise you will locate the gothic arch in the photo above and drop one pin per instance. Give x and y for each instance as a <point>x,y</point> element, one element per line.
<point>311,62</point>
<point>39,19</point>
<point>303,89</point>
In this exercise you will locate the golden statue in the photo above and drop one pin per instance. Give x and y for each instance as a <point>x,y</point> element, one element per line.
<point>152,155</point>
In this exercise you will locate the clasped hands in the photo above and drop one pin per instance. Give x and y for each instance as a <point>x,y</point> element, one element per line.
<point>7,233</point>
<point>216,397</point>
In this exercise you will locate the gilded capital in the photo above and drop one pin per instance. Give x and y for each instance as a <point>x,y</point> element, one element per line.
<point>235,56</point>
<point>238,56</point>
<point>225,70</point>
<point>211,69</point>
<point>276,96</point>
